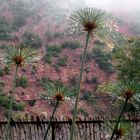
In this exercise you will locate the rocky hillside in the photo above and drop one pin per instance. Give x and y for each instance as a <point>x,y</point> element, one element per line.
<point>41,25</point>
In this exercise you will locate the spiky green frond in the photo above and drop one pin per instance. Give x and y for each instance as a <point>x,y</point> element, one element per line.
<point>124,89</point>
<point>123,129</point>
<point>19,55</point>
<point>128,89</point>
<point>95,21</point>
<point>58,91</point>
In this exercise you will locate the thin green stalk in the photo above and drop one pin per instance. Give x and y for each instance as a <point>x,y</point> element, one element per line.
<point>11,105</point>
<point>119,118</point>
<point>79,86</point>
<point>45,137</point>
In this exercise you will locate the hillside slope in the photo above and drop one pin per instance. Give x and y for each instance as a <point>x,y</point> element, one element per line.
<point>42,26</point>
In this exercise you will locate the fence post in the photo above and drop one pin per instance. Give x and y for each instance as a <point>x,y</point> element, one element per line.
<point>53,130</point>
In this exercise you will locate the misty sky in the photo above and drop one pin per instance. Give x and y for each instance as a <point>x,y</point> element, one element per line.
<point>123,5</point>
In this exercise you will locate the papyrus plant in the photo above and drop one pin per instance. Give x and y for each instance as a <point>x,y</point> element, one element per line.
<point>16,57</point>
<point>126,91</point>
<point>123,129</point>
<point>58,93</point>
<point>95,23</point>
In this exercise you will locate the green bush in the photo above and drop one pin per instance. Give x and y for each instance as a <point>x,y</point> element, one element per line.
<point>74,81</point>
<point>103,59</point>
<point>21,11</point>
<point>82,111</point>
<point>34,69</point>
<point>52,51</point>
<point>1,72</point>
<point>30,39</point>
<point>71,45</point>
<point>89,97</point>
<point>2,83</point>
<point>58,35</point>
<point>31,102</point>
<point>47,58</point>
<point>18,22</point>
<point>62,61</point>
<point>7,70</point>
<point>5,102</point>
<point>19,106</point>
<point>5,37</point>
<point>56,66</point>
<point>4,24</point>
<point>49,35</point>
<point>94,80</point>
<point>21,82</point>
<point>53,35</point>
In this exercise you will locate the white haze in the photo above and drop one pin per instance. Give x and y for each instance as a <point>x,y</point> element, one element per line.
<point>116,5</point>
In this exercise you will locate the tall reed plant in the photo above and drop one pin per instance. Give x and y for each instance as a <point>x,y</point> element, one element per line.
<point>17,56</point>
<point>96,23</point>
<point>58,93</point>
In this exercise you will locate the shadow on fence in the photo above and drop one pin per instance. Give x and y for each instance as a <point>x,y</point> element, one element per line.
<point>33,128</point>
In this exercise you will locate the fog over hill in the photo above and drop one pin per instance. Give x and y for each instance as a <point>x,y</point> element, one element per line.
<point>117,5</point>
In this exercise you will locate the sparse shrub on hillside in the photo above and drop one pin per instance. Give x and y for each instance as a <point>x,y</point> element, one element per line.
<point>44,81</point>
<point>71,45</point>
<point>62,61</point>
<point>21,8</point>
<point>81,111</point>
<point>5,102</point>
<point>89,57</point>
<point>89,97</point>
<point>21,81</point>
<point>5,37</point>
<point>56,66</point>
<point>94,80</point>
<point>4,25</point>
<point>3,46</point>
<point>87,69</point>
<point>58,35</point>
<point>103,59</point>
<point>74,81</point>
<point>4,29</point>
<point>52,51</point>
<point>49,35</point>
<point>18,22</point>
<point>47,58</point>
<point>127,60</point>
<point>1,72</point>
<point>30,39</point>
<point>7,70</point>
<point>19,106</point>
<point>53,35</point>
<point>31,102</point>
<point>21,12</point>
<point>4,71</point>
<point>36,19</point>
<point>34,69</point>
<point>2,83</point>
